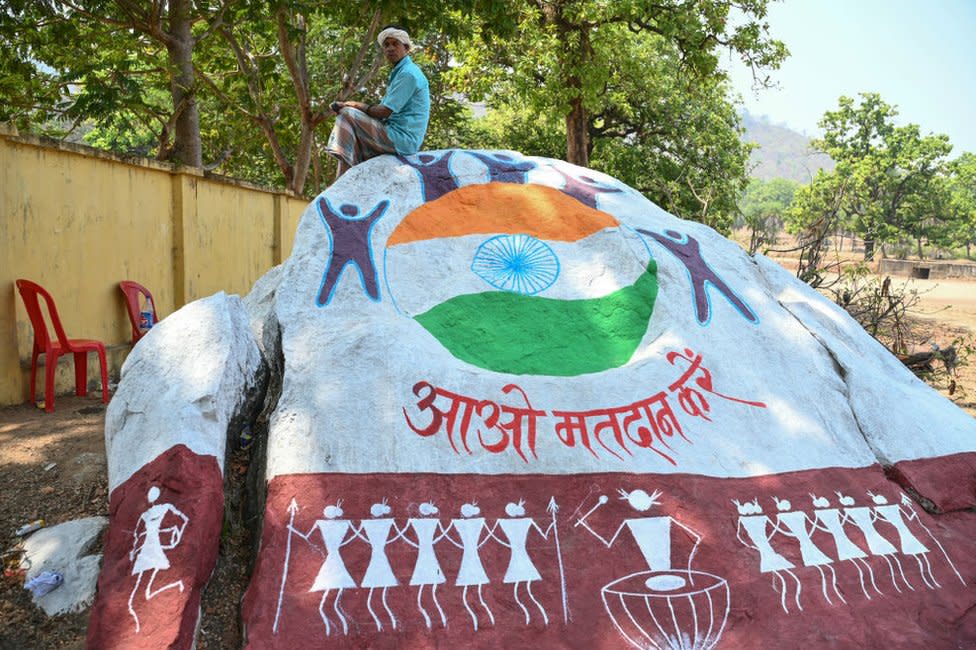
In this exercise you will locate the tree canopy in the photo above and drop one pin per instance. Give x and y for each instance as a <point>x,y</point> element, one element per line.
<point>886,183</point>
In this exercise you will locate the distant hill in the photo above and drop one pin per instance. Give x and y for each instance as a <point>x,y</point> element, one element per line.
<point>782,152</point>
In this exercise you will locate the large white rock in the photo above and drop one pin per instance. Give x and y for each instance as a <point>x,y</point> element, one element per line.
<point>181,385</point>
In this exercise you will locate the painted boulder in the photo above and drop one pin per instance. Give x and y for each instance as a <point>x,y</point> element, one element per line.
<point>166,434</point>
<point>517,404</point>
<point>524,406</point>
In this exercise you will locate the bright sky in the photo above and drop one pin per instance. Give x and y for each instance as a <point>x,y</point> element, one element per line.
<point>920,55</point>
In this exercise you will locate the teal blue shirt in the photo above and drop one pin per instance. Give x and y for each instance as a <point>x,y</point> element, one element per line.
<point>408,96</point>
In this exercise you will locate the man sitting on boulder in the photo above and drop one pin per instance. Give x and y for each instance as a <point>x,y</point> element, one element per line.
<point>397,124</point>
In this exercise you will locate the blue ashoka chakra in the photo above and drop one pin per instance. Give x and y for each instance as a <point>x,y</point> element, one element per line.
<point>516,263</point>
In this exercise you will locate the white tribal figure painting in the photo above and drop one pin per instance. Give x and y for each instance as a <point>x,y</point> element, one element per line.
<point>481,572</point>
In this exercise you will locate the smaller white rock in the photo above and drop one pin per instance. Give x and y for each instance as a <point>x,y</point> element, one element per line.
<point>63,549</point>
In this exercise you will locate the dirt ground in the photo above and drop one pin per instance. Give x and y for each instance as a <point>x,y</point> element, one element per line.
<point>76,486</point>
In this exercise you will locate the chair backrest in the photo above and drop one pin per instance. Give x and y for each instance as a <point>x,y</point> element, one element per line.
<point>133,291</point>
<point>31,292</point>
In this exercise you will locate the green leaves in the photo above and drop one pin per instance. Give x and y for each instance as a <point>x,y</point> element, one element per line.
<point>892,184</point>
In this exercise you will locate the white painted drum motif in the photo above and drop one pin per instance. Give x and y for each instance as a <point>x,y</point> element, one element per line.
<point>674,609</point>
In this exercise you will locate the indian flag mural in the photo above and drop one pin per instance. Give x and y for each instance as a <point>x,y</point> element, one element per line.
<point>560,293</point>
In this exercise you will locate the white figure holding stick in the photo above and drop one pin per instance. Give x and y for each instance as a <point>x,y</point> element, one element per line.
<point>652,534</point>
<point>333,574</point>
<point>520,567</point>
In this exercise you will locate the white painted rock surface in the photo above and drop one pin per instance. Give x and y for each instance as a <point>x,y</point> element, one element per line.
<point>64,549</point>
<point>181,385</point>
<point>524,406</point>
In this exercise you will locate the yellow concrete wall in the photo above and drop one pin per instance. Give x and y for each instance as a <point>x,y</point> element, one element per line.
<point>77,221</point>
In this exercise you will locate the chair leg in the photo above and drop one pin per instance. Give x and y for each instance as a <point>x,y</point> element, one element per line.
<point>50,365</point>
<point>104,364</point>
<point>81,374</point>
<point>33,386</point>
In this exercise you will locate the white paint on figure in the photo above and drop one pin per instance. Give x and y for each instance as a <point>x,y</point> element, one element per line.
<point>652,534</point>
<point>379,573</point>
<point>913,516</point>
<point>149,550</point>
<point>427,571</point>
<point>831,521</point>
<point>644,603</point>
<point>755,523</point>
<point>333,574</point>
<point>472,572</point>
<point>520,567</point>
<point>864,519</point>
<point>834,521</point>
<point>909,544</point>
<point>793,523</point>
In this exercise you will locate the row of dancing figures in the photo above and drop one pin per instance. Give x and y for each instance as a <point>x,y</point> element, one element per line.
<point>759,531</point>
<point>472,533</point>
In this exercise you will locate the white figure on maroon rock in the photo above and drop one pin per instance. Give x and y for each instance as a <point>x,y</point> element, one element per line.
<point>908,543</point>
<point>149,548</point>
<point>520,567</point>
<point>794,523</point>
<point>864,518</point>
<point>333,574</point>
<point>912,515</point>
<point>831,521</point>
<point>472,572</point>
<point>755,524</point>
<point>427,570</point>
<point>652,534</point>
<point>379,573</point>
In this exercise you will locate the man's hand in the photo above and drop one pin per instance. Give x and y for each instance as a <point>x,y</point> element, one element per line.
<point>359,106</point>
<point>376,110</point>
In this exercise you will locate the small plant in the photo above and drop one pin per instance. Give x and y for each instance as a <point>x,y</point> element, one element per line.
<point>888,312</point>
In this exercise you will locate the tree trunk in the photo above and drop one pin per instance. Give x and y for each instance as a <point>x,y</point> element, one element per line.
<point>577,146</point>
<point>303,156</point>
<point>919,242</point>
<point>577,53</point>
<point>868,249</point>
<point>187,149</point>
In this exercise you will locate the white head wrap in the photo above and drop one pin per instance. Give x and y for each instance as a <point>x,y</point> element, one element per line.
<point>393,32</point>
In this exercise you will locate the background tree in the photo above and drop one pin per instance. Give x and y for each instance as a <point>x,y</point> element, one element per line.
<point>562,58</point>
<point>670,134</point>
<point>961,211</point>
<point>886,168</point>
<point>101,58</point>
<point>763,207</point>
<point>817,212</point>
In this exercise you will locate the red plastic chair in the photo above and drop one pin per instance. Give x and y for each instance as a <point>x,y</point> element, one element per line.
<point>52,349</point>
<point>132,291</point>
